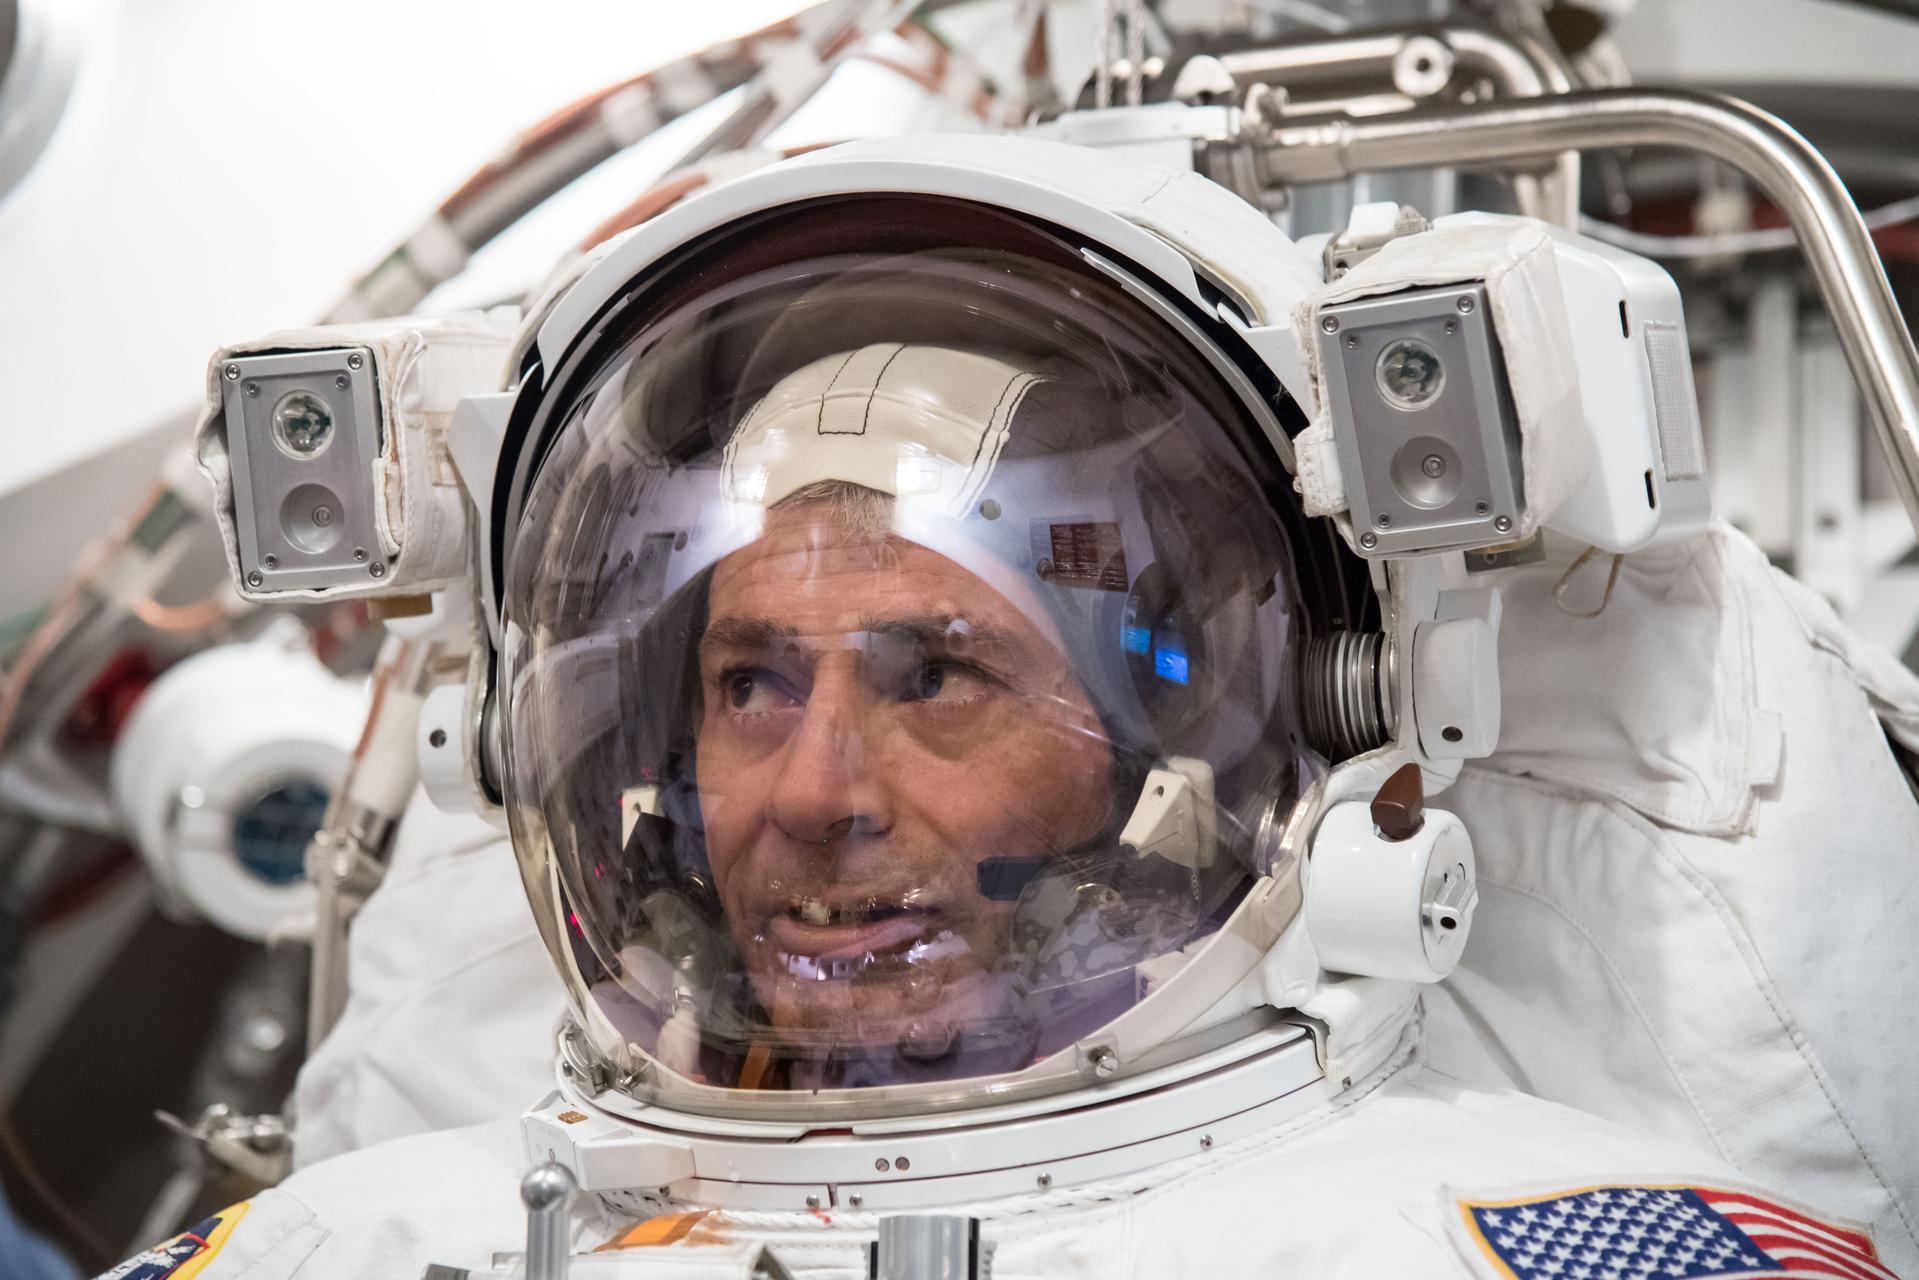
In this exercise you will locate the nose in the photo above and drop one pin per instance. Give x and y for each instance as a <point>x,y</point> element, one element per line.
<point>829,786</point>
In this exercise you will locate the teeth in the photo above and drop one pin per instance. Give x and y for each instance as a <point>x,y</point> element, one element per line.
<point>813,911</point>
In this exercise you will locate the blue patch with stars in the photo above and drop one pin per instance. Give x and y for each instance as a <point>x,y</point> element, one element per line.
<point>185,1254</point>
<point>1668,1232</point>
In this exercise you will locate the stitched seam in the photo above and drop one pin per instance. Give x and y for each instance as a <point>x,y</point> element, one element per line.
<point>819,423</point>
<point>993,424</point>
<point>1757,970</point>
<point>1626,989</point>
<point>866,415</point>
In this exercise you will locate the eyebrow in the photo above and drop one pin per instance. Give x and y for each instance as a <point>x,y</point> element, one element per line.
<point>935,631</point>
<point>745,633</point>
<point>931,631</point>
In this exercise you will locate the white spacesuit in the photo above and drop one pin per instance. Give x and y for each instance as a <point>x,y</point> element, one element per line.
<point>957,780</point>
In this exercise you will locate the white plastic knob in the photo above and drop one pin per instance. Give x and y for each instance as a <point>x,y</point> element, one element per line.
<point>442,746</point>
<point>1389,908</point>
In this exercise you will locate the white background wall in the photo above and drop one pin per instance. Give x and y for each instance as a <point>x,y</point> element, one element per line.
<point>1684,41</point>
<point>228,166</point>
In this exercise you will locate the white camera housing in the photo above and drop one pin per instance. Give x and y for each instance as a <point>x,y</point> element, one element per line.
<point>1647,485</point>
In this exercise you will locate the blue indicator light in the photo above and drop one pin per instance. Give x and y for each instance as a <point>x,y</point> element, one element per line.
<point>1169,664</point>
<point>1136,640</point>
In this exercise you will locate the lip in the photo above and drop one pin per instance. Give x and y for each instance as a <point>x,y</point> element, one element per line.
<point>849,941</point>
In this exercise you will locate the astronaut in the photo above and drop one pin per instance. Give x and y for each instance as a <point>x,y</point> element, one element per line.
<point>956,780</point>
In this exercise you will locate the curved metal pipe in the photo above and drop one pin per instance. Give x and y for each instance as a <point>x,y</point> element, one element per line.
<point>1322,71</point>
<point>1835,240</point>
<point>1520,69</point>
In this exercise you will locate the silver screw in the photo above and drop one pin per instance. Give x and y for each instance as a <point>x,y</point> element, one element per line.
<point>359,555</point>
<point>856,1201</point>
<point>1205,1142</point>
<point>377,569</point>
<point>1104,1061</point>
<point>1346,1082</point>
<point>323,515</point>
<point>1465,306</point>
<point>254,579</point>
<point>233,373</point>
<point>1481,508</point>
<point>1504,524</point>
<point>812,1202</point>
<point>1384,522</point>
<point>1369,539</point>
<point>1352,340</point>
<point>1045,1180</point>
<point>354,361</point>
<point>253,388</point>
<point>1452,326</point>
<point>1434,466</point>
<point>340,380</point>
<point>1330,324</point>
<point>271,562</point>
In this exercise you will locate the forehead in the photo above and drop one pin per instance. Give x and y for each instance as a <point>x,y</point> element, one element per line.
<point>814,572</point>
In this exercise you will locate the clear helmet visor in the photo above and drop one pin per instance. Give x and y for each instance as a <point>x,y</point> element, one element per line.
<point>900,645</point>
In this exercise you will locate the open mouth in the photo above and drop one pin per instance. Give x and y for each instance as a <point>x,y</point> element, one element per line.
<point>841,937</point>
<point>812,911</point>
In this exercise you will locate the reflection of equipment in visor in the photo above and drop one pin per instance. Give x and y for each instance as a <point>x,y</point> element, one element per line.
<point>1055,466</point>
<point>1173,821</point>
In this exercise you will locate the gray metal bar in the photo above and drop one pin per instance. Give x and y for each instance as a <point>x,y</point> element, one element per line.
<point>927,1246</point>
<point>547,1193</point>
<point>1836,242</point>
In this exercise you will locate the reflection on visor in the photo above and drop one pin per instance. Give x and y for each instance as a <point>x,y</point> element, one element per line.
<point>852,609</point>
<point>1169,658</point>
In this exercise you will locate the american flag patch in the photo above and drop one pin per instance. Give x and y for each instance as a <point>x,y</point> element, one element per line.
<point>1664,1232</point>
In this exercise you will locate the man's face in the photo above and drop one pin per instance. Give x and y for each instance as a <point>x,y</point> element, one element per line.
<point>876,721</point>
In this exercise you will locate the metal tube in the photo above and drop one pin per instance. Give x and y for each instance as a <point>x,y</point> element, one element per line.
<point>1326,72</point>
<point>1835,240</point>
<point>547,1193</point>
<point>1520,69</point>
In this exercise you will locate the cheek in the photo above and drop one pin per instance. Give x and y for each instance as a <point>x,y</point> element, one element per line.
<point>1040,788</point>
<point>727,824</point>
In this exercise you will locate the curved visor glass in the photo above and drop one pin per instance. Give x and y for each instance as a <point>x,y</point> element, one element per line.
<point>899,653</point>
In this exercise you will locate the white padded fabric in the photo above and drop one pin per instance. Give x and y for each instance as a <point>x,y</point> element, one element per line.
<point>1698,875</point>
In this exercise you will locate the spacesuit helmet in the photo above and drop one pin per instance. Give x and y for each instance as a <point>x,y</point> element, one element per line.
<point>900,667</point>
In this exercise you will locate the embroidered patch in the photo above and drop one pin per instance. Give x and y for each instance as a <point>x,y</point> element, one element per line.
<point>184,1255</point>
<point>1663,1232</point>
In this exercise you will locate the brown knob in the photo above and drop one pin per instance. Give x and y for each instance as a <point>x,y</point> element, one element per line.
<point>1399,809</point>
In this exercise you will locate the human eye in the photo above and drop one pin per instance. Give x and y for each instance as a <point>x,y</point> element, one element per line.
<point>748,691</point>
<point>945,681</point>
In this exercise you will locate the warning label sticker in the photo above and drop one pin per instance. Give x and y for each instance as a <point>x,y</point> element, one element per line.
<point>1083,553</point>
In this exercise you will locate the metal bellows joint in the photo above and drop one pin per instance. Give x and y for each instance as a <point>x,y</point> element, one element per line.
<point>1346,693</point>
